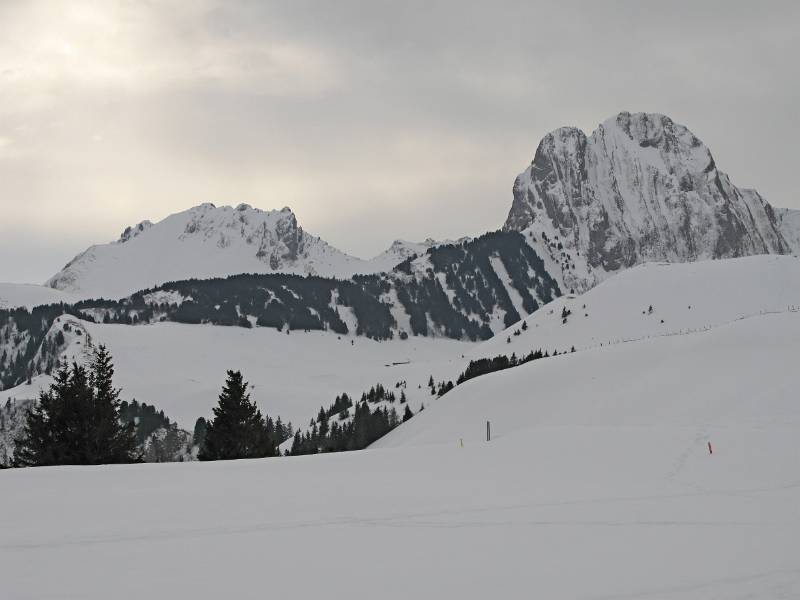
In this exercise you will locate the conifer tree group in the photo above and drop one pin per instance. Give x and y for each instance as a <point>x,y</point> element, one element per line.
<point>81,420</point>
<point>366,425</point>
<point>77,420</point>
<point>483,366</point>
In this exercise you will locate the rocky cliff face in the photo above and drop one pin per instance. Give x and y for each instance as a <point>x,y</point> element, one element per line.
<point>640,188</point>
<point>789,224</point>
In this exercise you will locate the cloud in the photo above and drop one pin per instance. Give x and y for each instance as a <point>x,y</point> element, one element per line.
<point>138,48</point>
<point>372,120</point>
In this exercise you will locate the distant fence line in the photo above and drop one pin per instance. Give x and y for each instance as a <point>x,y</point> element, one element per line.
<point>792,308</point>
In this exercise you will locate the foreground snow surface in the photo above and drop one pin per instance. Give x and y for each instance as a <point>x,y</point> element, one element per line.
<point>598,484</point>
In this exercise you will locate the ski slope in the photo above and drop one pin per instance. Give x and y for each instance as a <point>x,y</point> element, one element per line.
<point>598,484</point>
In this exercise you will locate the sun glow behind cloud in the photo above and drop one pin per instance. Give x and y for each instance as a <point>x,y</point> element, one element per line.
<point>139,48</point>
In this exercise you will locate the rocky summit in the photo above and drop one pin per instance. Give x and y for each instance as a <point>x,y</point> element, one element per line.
<point>640,188</point>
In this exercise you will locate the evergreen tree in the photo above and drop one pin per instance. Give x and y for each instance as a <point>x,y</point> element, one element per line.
<point>112,442</point>
<point>407,414</point>
<point>77,420</point>
<point>40,443</point>
<point>199,434</point>
<point>238,430</point>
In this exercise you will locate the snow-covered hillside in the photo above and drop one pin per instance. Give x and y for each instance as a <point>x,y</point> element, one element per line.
<point>684,297</point>
<point>181,368</point>
<point>293,375</point>
<point>640,188</point>
<point>737,305</point>
<point>598,483</point>
<point>13,295</point>
<point>738,375</point>
<point>208,241</point>
<point>400,250</point>
<point>464,291</point>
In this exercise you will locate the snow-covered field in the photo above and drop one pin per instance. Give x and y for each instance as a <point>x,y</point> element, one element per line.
<point>598,482</point>
<point>29,295</point>
<point>181,368</point>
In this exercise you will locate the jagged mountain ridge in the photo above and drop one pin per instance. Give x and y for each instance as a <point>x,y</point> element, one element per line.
<point>640,188</point>
<point>208,241</point>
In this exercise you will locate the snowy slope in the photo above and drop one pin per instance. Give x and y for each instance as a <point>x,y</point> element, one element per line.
<point>685,297</point>
<point>181,368</point>
<point>598,484</point>
<point>295,374</point>
<point>640,188</point>
<point>208,241</point>
<point>15,401</point>
<point>13,295</point>
<point>742,374</point>
<point>723,352</point>
<point>77,347</point>
<point>400,250</point>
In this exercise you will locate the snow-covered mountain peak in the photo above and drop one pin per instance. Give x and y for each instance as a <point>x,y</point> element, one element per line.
<point>656,141</point>
<point>215,241</point>
<point>640,188</point>
<point>134,230</point>
<point>405,246</point>
<point>565,140</point>
<point>207,241</point>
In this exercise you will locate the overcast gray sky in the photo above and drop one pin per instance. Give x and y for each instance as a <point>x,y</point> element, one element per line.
<point>371,120</point>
